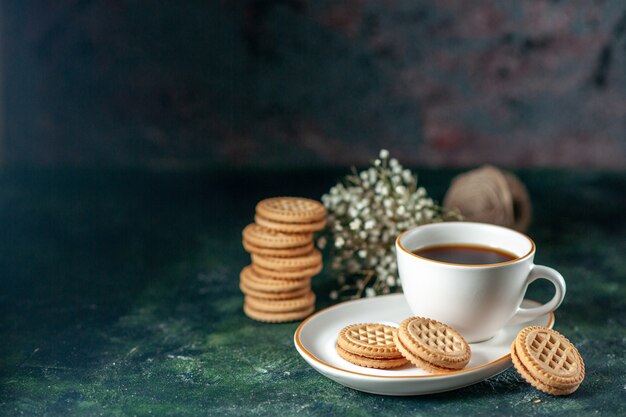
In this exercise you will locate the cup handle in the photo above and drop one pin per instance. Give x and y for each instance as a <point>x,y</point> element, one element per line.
<point>539,271</point>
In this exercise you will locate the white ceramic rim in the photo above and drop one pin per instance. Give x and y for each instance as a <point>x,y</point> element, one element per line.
<point>512,261</point>
<point>314,358</point>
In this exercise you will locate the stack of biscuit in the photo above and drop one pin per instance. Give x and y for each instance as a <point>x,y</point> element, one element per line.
<point>277,284</point>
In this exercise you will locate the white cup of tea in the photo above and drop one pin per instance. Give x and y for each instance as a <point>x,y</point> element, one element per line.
<point>472,276</point>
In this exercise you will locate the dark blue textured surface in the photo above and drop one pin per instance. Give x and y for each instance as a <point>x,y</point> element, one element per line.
<point>120,297</point>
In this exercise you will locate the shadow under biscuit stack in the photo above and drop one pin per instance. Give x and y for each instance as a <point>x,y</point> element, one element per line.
<point>277,284</point>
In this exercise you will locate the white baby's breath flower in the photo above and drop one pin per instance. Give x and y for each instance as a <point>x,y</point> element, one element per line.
<point>355,224</point>
<point>365,214</point>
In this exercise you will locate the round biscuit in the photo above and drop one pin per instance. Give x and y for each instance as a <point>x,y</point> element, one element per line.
<point>372,340</point>
<point>259,283</point>
<point>265,295</point>
<point>267,238</point>
<point>304,273</point>
<point>290,227</point>
<point>281,306</point>
<point>291,209</point>
<point>370,362</point>
<point>549,357</point>
<point>525,373</point>
<point>278,252</point>
<point>435,342</point>
<point>277,317</point>
<point>296,263</point>
<point>416,360</point>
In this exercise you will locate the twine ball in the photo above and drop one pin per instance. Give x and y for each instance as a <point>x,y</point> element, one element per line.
<point>490,195</point>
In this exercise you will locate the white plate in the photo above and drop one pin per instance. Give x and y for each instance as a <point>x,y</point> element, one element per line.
<point>316,337</point>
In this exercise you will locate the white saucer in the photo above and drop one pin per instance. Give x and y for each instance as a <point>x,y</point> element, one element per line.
<point>316,337</point>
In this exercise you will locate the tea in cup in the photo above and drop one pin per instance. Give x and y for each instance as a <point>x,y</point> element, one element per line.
<point>472,276</point>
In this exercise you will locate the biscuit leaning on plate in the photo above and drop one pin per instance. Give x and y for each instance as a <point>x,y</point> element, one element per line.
<point>432,345</point>
<point>547,360</point>
<point>370,345</point>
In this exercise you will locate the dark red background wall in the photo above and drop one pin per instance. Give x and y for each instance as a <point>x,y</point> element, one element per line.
<point>294,82</point>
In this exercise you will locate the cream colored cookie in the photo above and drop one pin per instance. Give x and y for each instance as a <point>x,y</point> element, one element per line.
<point>432,345</point>
<point>281,306</point>
<point>278,252</point>
<point>291,210</point>
<point>289,227</point>
<point>297,263</point>
<point>304,273</point>
<point>388,363</point>
<point>416,360</point>
<point>277,317</point>
<point>267,238</point>
<point>547,360</point>
<point>369,339</point>
<point>266,295</point>
<point>256,282</point>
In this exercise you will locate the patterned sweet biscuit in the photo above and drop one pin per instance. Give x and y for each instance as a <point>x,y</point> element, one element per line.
<point>304,273</point>
<point>547,360</point>
<point>297,263</point>
<point>524,373</point>
<point>434,343</point>
<point>370,362</point>
<point>290,227</point>
<point>278,252</point>
<point>291,210</point>
<point>259,283</point>
<point>265,295</point>
<point>281,306</point>
<point>416,360</point>
<point>372,340</point>
<point>277,317</point>
<point>267,238</point>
